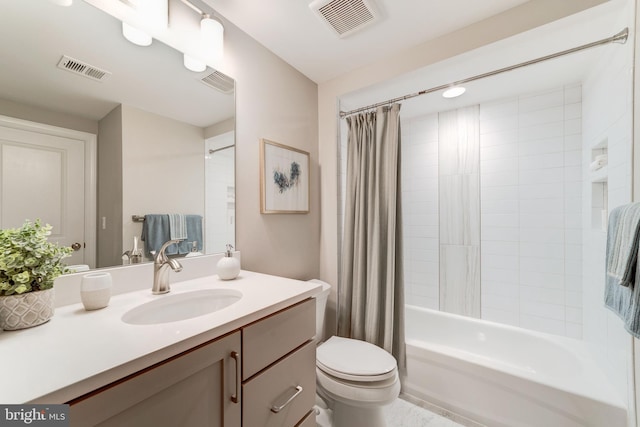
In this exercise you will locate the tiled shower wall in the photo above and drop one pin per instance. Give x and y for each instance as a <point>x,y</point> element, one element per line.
<point>530,211</point>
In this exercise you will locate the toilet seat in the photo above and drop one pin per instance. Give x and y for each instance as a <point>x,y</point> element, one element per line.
<point>354,360</point>
<point>357,393</point>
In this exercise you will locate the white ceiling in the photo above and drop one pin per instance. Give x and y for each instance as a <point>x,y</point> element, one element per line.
<point>293,31</point>
<point>154,79</point>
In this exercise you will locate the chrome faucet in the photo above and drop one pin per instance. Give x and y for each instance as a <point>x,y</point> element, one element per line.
<point>161,264</point>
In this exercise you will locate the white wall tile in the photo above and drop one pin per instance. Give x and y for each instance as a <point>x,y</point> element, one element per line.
<point>541,280</point>
<point>545,131</point>
<point>460,279</point>
<point>502,151</point>
<point>573,330</point>
<point>542,295</point>
<point>502,275</point>
<point>543,116</point>
<point>501,288</point>
<point>490,139</point>
<point>541,176</point>
<point>541,146</point>
<point>542,265</point>
<point>530,163</point>
<point>499,247</point>
<point>543,249</point>
<point>573,94</point>
<point>542,161</point>
<point>500,220</point>
<point>542,221</point>
<point>501,316</point>
<point>501,108</point>
<point>542,324</point>
<point>540,101</point>
<point>500,192</point>
<point>541,191</point>
<point>500,302</point>
<point>497,179</point>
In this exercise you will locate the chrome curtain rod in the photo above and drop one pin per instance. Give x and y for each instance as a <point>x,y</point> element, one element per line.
<point>620,37</point>
<point>211,150</point>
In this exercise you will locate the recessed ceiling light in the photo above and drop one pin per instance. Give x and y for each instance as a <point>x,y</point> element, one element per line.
<point>453,92</point>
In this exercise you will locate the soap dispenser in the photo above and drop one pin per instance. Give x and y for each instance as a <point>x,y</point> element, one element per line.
<point>228,266</point>
<point>136,253</point>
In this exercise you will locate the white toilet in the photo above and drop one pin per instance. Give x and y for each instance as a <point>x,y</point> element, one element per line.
<point>355,378</point>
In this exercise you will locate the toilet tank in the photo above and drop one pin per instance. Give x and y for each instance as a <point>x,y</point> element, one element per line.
<point>321,305</point>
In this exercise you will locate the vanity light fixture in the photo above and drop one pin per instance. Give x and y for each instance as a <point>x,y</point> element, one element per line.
<point>135,35</point>
<point>193,64</point>
<point>454,92</point>
<point>212,40</point>
<point>212,33</point>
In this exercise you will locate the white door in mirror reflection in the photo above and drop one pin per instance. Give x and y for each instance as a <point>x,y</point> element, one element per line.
<point>42,177</point>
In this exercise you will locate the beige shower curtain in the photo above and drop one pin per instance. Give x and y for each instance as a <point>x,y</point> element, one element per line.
<point>371,296</point>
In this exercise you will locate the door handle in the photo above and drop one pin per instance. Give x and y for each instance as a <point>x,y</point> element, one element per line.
<point>76,246</point>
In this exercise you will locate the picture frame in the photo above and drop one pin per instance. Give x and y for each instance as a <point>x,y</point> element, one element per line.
<point>284,179</point>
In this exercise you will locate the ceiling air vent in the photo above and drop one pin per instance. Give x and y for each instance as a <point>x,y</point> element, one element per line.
<point>219,81</point>
<point>83,69</point>
<point>345,16</point>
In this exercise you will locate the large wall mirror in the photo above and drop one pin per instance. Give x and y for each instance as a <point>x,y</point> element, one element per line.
<point>93,153</point>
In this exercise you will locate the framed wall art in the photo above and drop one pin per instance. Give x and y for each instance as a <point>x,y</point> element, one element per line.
<point>284,179</point>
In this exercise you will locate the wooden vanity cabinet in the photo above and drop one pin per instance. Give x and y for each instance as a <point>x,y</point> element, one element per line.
<point>192,389</point>
<point>260,375</point>
<point>278,368</point>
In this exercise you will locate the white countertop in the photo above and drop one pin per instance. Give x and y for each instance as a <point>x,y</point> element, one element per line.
<point>78,351</point>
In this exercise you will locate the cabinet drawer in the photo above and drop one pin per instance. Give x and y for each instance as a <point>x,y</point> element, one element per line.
<point>309,420</point>
<point>276,385</point>
<point>269,339</point>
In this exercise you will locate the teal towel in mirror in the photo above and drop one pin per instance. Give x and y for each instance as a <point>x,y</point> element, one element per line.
<point>156,230</point>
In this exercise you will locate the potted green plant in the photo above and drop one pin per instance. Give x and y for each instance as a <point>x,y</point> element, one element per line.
<point>29,264</point>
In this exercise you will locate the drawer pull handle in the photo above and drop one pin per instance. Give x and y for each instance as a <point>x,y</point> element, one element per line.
<point>236,356</point>
<point>277,408</point>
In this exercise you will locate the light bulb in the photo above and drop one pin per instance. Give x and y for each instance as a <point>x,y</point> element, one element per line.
<point>194,64</point>
<point>136,36</point>
<point>212,33</point>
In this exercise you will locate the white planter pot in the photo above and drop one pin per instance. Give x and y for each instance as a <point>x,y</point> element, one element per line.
<point>26,310</point>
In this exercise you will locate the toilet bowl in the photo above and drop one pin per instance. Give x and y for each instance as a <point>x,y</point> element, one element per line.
<point>355,378</point>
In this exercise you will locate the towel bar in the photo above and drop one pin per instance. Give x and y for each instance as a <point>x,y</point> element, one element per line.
<point>137,218</point>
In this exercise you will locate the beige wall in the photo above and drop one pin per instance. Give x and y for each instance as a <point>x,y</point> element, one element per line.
<point>53,118</point>
<point>109,197</point>
<point>276,102</point>
<point>527,16</point>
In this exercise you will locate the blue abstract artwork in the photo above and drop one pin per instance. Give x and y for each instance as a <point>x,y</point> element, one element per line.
<point>284,181</point>
<point>284,178</point>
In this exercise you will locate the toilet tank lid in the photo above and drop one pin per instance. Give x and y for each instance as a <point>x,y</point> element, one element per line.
<point>326,288</point>
<point>354,357</point>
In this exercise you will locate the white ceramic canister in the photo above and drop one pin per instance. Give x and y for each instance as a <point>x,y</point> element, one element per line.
<point>95,290</point>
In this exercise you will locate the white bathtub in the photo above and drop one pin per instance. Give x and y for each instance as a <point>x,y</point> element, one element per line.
<point>501,375</point>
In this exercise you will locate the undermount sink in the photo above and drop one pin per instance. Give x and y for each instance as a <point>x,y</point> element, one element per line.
<point>182,306</point>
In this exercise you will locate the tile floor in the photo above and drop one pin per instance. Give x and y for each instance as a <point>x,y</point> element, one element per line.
<point>405,414</point>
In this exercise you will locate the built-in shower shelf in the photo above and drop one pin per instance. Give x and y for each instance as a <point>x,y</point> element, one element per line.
<point>601,175</point>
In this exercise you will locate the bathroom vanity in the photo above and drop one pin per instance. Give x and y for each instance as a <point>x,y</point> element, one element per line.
<point>251,363</point>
